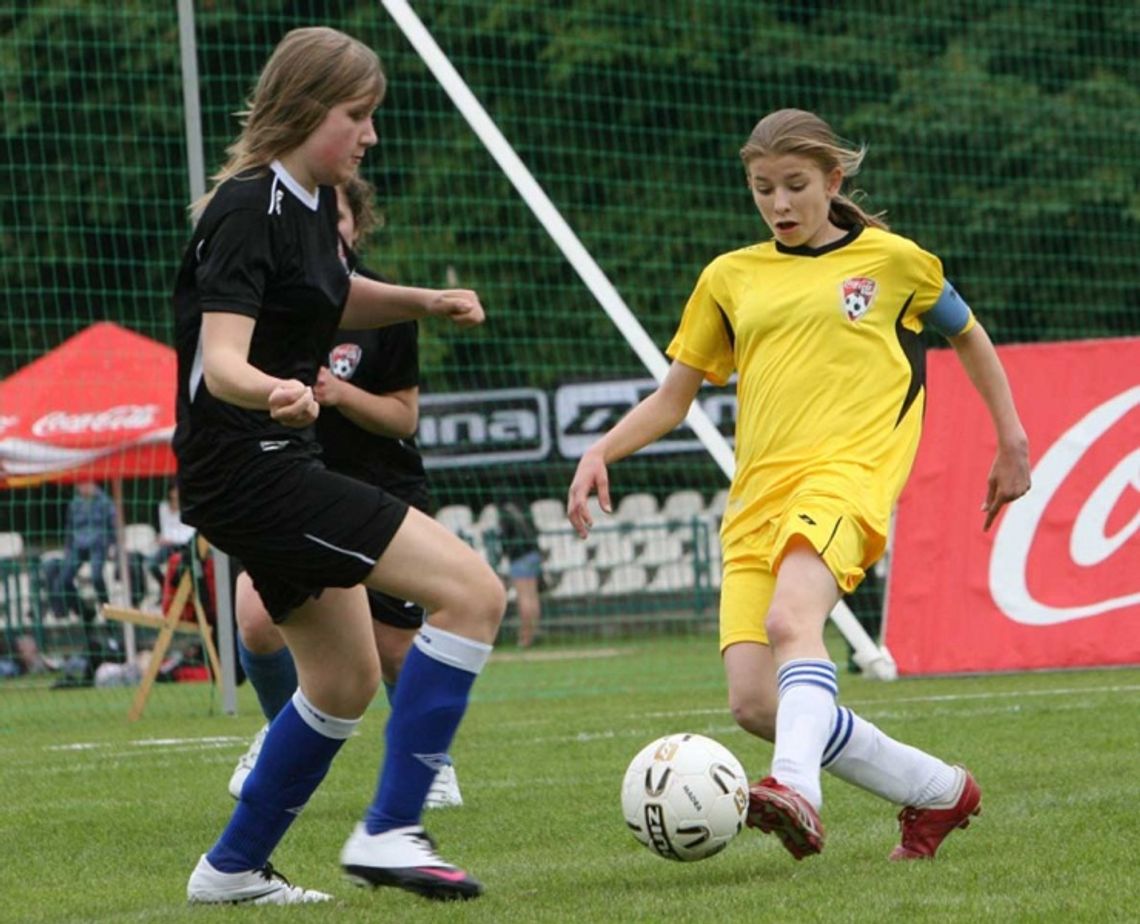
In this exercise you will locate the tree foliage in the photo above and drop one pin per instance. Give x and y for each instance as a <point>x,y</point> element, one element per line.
<point>1003,137</point>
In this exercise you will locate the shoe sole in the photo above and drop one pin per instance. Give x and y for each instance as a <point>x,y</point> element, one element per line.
<point>371,877</point>
<point>772,814</point>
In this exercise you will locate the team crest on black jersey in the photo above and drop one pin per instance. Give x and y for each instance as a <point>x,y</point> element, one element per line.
<point>858,292</point>
<point>344,359</point>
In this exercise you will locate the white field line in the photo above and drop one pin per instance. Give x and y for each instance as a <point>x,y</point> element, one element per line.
<point>577,654</point>
<point>713,729</point>
<point>877,709</point>
<point>150,745</point>
<point>934,698</point>
<point>880,708</point>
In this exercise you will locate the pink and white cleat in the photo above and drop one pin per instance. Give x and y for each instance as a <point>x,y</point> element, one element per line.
<point>405,858</point>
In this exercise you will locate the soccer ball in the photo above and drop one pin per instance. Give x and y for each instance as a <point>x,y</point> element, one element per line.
<point>685,796</point>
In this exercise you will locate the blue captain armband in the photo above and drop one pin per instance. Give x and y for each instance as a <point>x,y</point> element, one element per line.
<point>950,315</point>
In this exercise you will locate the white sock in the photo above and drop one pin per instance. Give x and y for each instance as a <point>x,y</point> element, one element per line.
<point>804,719</point>
<point>859,753</point>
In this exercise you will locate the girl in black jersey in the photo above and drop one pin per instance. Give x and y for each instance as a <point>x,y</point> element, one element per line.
<point>369,397</point>
<point>260,293</point>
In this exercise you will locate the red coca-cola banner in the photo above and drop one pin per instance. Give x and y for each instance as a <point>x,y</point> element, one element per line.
<point>1056,581</point>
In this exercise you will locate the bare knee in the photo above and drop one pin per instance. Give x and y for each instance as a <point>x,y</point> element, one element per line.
<point>392,645</point>
<point>755,714</point>
<point>489,602</point>
<point>475,607</point>
<point>346,692</point>
<point>785,627</point>
<point>258,632</point>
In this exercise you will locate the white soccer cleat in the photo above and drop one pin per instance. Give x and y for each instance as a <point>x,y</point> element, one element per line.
<point>444,792</point>
<point>263,886</point>
<point>246,761</point>
<point>405,858</point>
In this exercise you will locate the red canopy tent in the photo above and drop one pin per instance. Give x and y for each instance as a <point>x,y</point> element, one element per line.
<point>100,406</point>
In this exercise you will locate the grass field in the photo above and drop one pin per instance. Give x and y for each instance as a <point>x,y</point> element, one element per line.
<point>102,821</point>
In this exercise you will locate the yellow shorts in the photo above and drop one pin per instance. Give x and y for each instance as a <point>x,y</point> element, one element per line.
<point>752,562</point>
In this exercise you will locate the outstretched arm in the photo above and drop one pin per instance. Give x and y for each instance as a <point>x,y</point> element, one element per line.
<point>1009,474</point>
<point>377,304</point>
<point>654,416</point>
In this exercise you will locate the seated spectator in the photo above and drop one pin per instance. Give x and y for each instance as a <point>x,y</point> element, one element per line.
<point>173,534</point>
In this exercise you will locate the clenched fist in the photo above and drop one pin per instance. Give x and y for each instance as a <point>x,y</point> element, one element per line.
<point>292,404</point>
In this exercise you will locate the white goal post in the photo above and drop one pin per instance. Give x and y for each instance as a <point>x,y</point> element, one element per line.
<point>874,660</point>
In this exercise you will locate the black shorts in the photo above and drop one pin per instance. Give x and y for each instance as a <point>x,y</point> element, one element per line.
<point>392,611</point>
<point>299,528</point>
<point>395,611</point>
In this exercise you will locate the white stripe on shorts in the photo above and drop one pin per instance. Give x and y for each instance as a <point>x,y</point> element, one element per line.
<point>337,548</point>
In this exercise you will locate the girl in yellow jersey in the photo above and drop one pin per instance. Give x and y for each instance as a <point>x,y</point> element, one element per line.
<point>822,325</point>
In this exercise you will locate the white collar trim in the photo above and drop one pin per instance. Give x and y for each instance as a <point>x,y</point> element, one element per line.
<point>312,200</point>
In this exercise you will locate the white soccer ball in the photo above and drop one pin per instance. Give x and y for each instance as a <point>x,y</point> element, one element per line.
<point>685,797</point>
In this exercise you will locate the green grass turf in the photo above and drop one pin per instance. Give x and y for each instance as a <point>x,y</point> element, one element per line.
<point>108,832</point>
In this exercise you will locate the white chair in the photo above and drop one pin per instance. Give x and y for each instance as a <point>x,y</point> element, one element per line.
<point>636,508</point>
<point>563,551</point>
<point>488,518</point>
<point>610,548</point>
<point>718,504</point>
<point>576,582</point>
<point>714,513</point>
<point>13,581</point>
<point>673,576</point>
<point>456,517</point>
<point>625,579</point>
<point>659,548</point>
<point>141,538</point>
<point>683,505</point>
<point>11,545</point>
<point>548,513</point>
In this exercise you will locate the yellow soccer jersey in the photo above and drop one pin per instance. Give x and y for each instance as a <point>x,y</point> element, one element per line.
<point>830,394</point>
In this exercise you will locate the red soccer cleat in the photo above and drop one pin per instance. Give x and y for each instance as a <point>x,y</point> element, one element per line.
<point>778,809</point>
<point>924,829</point>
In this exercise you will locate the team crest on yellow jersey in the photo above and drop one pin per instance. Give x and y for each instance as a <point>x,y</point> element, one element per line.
<point>858,292</point>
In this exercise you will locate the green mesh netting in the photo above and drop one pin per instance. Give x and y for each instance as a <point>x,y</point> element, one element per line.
<point>1002,136</point>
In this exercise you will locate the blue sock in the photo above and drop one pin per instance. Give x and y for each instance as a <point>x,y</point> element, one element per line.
<point>272,676</point>
<point>390,692</point>
<point>295,757</point>
<point>430,700</point>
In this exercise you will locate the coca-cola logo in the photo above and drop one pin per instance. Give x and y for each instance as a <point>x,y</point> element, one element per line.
<point>120,417</point>
<point>1062,552</point>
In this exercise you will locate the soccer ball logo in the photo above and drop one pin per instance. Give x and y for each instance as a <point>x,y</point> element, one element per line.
<point>857,294</point>
<point>685,797</point>
<point>344,359</point>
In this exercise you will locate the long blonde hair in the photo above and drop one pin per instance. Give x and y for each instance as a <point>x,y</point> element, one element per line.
<point>794,131</point>
<point>310,71</point>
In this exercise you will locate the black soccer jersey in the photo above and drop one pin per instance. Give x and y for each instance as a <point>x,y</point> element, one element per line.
<point>268,249</point>
<point>380,361</point>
